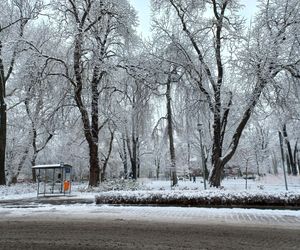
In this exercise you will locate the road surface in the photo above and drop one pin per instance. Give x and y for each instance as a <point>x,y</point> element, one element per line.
<point>102,233</point>
<point>80,224</point>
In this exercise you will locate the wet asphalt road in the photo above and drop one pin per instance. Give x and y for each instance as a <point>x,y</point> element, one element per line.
<point>134,234</point>
<point>47,224</point>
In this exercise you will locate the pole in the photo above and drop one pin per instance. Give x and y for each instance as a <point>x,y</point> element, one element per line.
<point>202,155</point>
<point>282,158</point>
<point>246,174</point>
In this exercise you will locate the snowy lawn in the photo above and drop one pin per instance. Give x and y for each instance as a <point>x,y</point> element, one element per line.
<point>267,191</point>
<point>267,183</point>
<point>18,191</point>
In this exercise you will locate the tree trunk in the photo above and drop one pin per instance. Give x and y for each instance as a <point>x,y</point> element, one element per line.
<point>257,163</point>
<point>157,164</point>
<point>34,138</point>
<point>216,174</point>
<point>288,164</point>
<point>2,139</point>
<point>124,158</point>
<point>275,164</point>
<point>138,160</point>
<point>220,161</point>
<point>95,168</point>
<point>92,140</point>
<point>91,129</point>
<point>33,170</point>
<point>292,163</point>
<point>14,179</point>
<point>3,120</point>
<point>134,158</point>
<point>170,132</point>
<point>103,172</point>
<point>296,156</point>
<point>94,165</point>
<point>3,79</point>
<point>132,146</point>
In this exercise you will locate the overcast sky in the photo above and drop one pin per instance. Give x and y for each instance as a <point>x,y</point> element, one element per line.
<point>144,13</point>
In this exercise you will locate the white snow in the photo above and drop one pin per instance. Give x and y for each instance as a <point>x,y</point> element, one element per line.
<point>267,183</point>
<point>254,217</point>
<point>271,185</point>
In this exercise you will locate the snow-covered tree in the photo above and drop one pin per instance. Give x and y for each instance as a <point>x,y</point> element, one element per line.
<point>15,16</point>
<point>96,32</point>
<point>206,33</point>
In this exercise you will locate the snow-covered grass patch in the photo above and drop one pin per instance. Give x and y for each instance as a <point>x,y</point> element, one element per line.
<point>266,191</point>
<point>202,198</point>
<point>266,183</point>
<point>19,190</point>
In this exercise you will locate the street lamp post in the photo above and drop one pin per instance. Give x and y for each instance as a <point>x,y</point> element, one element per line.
<point>282,158</point>
<point>199,126</point>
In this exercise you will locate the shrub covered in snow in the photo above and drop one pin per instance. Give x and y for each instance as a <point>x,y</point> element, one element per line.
<point>113,185</point>
<point>201,198</point>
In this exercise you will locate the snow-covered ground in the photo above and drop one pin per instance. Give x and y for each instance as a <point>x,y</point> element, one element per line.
<point>91,212</point>
<point>269,184</point>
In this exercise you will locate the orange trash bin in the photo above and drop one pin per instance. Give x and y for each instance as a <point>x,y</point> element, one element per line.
<point>66,185</point>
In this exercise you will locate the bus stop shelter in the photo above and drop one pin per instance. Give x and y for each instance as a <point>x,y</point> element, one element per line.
<point>53,179</point>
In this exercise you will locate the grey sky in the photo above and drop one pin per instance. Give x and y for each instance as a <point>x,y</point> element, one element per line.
<point>144,13</point>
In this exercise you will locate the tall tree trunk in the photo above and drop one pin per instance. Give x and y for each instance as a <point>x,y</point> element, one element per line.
<point>216,174</point>
<point>33,159</point>
<point>91,129</point>
<point>138,160</point>
<point>275,164</point>
<point>95,129</point>
<point>132,144</point>
<point>92,139</point>
<point>292,162</point>
<point>170,132</point>
<point>124,157</point>
<point>3,120</point>
<point>187,130</point>
<point>106,159</point>
<point>34,135</point>
<point>14,179</point>
<point>288,164</point>
<point>296,156</point>
<point>257,163</point>
<point>94,164</point>
<point>134,158</point>
<point>3,79</point>
<point>157,164</point>
<point>2,139</point>
<point>220,161</point>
